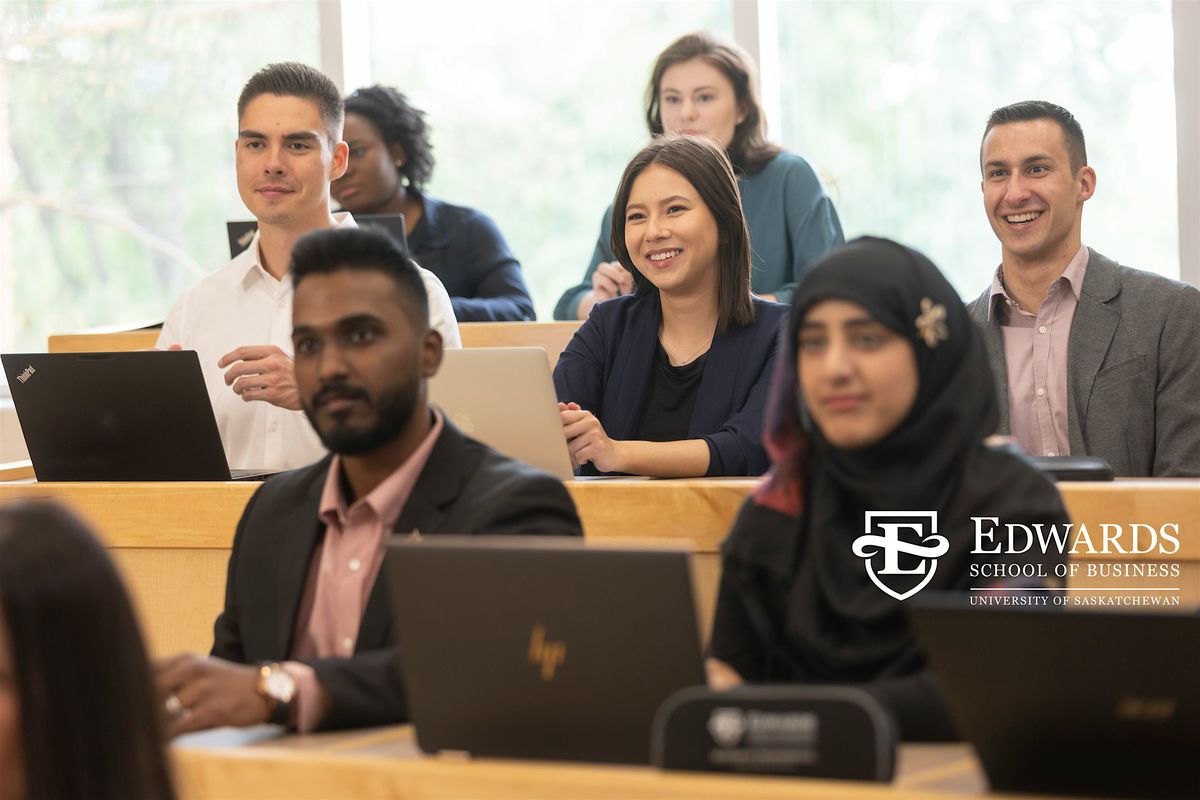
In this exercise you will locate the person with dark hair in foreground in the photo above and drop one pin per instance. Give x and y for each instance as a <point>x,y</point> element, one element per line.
<point>78,715</point>
<point>881,402</point>
<point>701,86</point>
<point>391,160</point>
<point>306,638</point>
<point>1090,357</point>
<point>289,147</point>
<point>671,380</point>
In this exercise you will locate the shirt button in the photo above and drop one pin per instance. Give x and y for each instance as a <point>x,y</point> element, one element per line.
<point>348,645</point>
<point>1050,453</point>
<point>1041,391</point>
<point>1042,329</point>
<point>355,565</point>
<point>274,426</point>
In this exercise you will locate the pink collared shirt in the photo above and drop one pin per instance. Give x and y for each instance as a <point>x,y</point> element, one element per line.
<point>1035,351</point>
<point>344,568</point>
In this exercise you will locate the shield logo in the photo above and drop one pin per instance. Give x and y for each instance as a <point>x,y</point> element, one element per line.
<point>892,533</point>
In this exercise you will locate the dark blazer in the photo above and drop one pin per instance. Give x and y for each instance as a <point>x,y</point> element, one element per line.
<point>467,252</point>
<point>466,487</point>
<point>608,366</point>
<point>1133,366</point>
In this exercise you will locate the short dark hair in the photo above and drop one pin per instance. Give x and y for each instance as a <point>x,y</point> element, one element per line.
<point>292,79</point>
<point>1030,110</point>
<point>399,123</point>
<point>749,151</point>
<point>80,668</point>
<point>706,166</point>
<point>324,252</point>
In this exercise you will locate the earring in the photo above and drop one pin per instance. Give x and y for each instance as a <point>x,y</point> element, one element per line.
<point>399,162</point>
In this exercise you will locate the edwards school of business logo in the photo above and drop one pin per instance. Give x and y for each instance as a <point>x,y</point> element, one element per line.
<point>886,535</point>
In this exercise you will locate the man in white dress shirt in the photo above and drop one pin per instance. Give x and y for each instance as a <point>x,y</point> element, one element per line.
<point>239,319</point>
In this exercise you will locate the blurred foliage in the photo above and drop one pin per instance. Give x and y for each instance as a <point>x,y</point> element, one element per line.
<point>117,120</point>
<point>889,99</point>
<point>117,171</point>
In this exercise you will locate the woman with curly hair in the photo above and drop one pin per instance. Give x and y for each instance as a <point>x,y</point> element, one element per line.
<point>391,160</point>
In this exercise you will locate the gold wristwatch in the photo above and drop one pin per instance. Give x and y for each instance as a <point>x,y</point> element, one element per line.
<point>278,688</point>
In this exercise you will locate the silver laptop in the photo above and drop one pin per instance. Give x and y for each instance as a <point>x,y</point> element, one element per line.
<point>504,397</point>
<point>540,646</point>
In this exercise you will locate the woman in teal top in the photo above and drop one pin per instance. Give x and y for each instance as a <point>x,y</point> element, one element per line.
<point>703,87</point>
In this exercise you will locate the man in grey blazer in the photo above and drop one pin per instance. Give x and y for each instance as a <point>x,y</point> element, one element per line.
<point>1090,357</point>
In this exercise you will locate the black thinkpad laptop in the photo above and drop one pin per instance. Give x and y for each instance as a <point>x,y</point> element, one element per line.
<point>1072,702</point>
<point>135,416</point>
<point>541,648</point>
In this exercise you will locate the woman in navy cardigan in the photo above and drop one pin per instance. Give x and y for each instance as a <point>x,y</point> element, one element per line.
<point>671,381</point>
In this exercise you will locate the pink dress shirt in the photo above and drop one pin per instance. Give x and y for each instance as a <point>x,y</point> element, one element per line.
<point>1035,351</point>
<point>344,568</point>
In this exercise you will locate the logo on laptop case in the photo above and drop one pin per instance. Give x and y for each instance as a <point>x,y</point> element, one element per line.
<point>545,654</point>
<point>912,533</point>
<point>26,373</point>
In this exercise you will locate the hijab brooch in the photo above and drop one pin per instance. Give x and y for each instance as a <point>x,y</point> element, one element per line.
<point>931,324</point>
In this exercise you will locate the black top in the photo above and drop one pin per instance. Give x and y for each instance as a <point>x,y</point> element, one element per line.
<point>673,392</point>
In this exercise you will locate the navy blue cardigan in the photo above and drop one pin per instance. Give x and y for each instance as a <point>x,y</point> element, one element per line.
<point>608,366</point>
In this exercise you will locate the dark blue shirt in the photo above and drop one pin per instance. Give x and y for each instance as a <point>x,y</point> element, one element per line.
<point>467,252</point>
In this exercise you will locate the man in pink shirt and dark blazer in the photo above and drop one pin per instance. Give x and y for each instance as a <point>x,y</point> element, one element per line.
<point>1090,357</point>
<point>306,635</point>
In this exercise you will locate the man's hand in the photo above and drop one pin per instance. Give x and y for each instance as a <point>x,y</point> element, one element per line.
<point>611,280</point>
<point>587,441</point>
<point>201,693</point>
<point>262,372</point>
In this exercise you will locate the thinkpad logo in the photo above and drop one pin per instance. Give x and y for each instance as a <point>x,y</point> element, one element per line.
<point>889,534</point>
<point>26,374</point>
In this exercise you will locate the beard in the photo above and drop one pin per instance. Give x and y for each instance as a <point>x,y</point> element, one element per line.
<point>393,410</point>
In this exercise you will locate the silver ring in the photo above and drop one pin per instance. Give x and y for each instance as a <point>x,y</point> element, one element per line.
<point>173,706</point>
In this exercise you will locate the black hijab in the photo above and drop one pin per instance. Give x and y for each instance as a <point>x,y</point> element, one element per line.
<point>839,625</point>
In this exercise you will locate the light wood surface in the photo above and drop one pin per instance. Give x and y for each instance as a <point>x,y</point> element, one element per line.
<point>172,540</point>
<point>16,470</point>
<point>385,763</point>
<point>109,342</point>
<point>550,336</point>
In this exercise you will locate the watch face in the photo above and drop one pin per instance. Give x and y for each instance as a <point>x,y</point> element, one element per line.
<point>280,685</point>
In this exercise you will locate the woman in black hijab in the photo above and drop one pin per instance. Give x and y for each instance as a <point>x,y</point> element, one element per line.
<point>881,402</point>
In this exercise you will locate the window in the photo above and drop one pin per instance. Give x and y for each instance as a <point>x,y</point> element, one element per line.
<point>889,101</point>
<point>117,122</point>
<point>535,108</point>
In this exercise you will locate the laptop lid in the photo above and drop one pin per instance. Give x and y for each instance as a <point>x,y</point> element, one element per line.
<point>241,232</point>
<point>534,647</point>
<point>1072,702</point>
<point>504,397</point>
<point>133,416</point>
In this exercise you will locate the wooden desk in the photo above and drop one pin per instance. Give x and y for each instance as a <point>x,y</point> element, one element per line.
<point>385,763</point>
<point>172,540</point>
<point>550,336</point>
<point>107,342</point>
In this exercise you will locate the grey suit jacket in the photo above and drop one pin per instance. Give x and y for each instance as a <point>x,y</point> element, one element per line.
<point>1133,366</point>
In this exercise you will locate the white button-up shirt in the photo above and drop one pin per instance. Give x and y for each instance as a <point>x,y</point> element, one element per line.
<point>243,304</point>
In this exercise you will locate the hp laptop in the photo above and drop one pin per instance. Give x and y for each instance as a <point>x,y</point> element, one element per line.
<point>134,416</point>
<point>241,232</point>
<point>532,647</point>
<point>504,397</point>
<point>1072,702</point>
